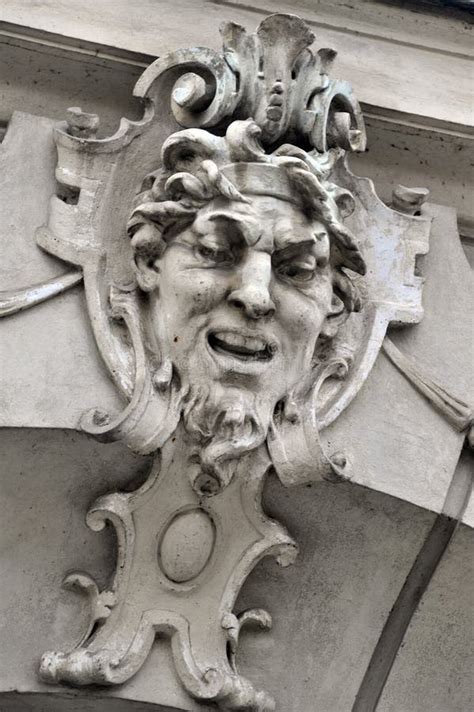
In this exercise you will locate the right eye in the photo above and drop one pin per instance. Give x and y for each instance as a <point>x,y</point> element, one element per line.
<point>299,269</point>
<point>213,254</point>
<point>296,272</point>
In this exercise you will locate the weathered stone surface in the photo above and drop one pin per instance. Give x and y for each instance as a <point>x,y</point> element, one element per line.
<point>186,545</point>
<point>365,542</point>
<point>433,668</point>
<point>44,537</point>
<point>417,442</point>
<point>240,319</point>
<point>439,48</point>
<point>59,370</point>
<point>68,702</point>
<point>402,148</point>
<point>356,547</point>
<point>78,382</point>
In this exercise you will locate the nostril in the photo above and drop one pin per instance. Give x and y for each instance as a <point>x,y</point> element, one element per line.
<point>254,303</point>
<point>237,303</point>
<point>264,310</point>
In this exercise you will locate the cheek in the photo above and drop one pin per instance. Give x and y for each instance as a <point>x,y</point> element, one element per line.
<point>302,315</point>
<point>191,292</point>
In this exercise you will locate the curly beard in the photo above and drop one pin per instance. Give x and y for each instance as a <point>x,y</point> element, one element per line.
<point>226,422</point>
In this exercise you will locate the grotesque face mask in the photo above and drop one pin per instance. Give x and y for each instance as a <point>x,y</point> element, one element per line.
<point>242,267</point>
<point>242,296</point>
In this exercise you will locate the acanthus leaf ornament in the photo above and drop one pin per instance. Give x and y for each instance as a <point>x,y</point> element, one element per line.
<point>239,301</point>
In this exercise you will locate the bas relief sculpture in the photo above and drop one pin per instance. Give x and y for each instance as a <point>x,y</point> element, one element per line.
<point>241,255</point>
<point>239,282</point>
<point>242,266</point>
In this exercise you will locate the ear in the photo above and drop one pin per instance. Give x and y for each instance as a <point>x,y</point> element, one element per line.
<point>147,272</point>
<point>146,244</point>
<point>336,316</point>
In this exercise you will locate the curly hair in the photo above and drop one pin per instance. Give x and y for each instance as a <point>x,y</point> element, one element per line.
<point>198,166</point>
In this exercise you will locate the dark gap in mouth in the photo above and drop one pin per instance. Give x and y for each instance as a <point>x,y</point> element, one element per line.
<point>240,352</point>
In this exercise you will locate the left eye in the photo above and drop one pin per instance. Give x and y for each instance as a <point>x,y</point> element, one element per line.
<point>211,254</point>
<point>299,273</point>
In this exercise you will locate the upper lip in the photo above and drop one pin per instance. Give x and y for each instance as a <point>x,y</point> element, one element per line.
<point>241,345</point>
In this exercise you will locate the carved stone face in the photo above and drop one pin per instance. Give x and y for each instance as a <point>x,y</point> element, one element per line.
<point>242,296</point>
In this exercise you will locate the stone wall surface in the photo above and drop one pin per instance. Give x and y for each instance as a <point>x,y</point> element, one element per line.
<point>356,549</point>
<point>404,52</point>
<point>329,608</point>
<point>58,341</point>
<point>413,46</point>
<point>434,664</point>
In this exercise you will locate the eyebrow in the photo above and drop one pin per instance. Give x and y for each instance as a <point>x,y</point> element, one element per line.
<point>250,231</point>
<point>290,239</point>
<point>247,226</point>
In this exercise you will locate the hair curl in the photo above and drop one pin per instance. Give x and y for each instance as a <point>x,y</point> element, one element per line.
<point>191,177</point>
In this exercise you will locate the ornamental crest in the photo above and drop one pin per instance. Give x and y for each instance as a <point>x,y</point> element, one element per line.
<point>239,282</point>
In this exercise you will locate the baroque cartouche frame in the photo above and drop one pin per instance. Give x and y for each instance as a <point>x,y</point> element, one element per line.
<point>261,120</point>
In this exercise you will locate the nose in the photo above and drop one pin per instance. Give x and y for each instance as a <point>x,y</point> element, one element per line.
<point>252,294</point>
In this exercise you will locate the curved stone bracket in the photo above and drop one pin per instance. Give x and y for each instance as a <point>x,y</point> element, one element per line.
<point>147,598</point>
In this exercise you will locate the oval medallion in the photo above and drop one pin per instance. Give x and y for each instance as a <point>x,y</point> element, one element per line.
<point>187,545</point>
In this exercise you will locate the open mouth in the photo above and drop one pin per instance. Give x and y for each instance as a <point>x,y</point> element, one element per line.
<point>244,348</point>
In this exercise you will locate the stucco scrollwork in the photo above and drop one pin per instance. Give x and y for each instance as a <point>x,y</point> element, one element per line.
<point>240,281</point>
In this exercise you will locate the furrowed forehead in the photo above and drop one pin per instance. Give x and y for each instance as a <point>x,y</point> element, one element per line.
<point>288,233</point>
<point>229,223</point>
<point>296,229</point>
<point>265,219</point>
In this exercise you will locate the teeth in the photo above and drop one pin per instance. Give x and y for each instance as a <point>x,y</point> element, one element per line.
<point>246,342</point>
<point>244,348</point>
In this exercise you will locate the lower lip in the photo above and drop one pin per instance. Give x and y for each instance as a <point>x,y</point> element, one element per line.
<point>234,363</point>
